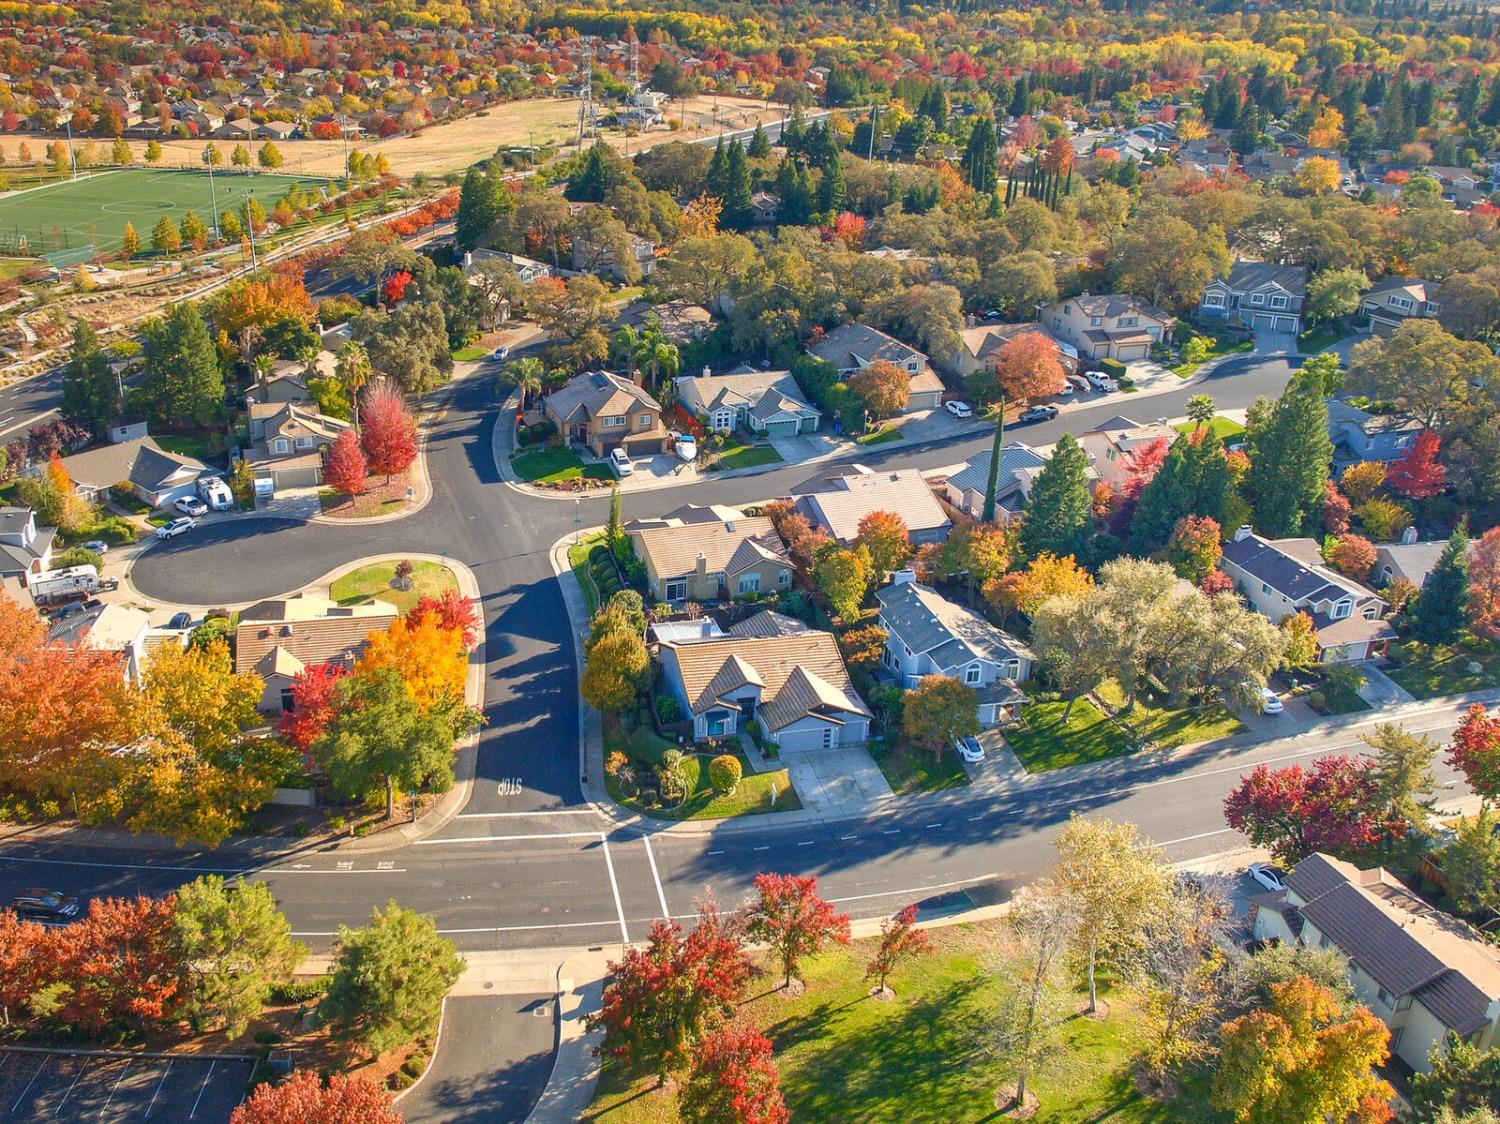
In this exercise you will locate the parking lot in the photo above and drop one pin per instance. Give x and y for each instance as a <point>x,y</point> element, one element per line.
<point>119,1087</point>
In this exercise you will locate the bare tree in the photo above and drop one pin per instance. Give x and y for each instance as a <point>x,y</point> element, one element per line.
<point>1041,924</point>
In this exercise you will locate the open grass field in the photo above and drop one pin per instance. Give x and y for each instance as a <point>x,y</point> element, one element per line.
<point>74,214</point>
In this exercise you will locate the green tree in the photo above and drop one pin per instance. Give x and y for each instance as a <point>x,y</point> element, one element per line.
<point>482,199</point>
<point>1290,451</point>
<point>760,143</point>
<point>181,383</point>
<point>164,236</point>
<point>1194,480</point>
<point>89,390</point>
<point>193,231</point>
<point>234,944</point>
<point>832,188</point>
<point>981,156</point>
<point>1471,863</point>
<point>1059,514</point>
<point>1333,293</point>
<point>389,979</point>
<point>1403,775</point>
<point>842,576</point>
<point>1442,608</point>
<point>737,214</point>
<point>938,711</point>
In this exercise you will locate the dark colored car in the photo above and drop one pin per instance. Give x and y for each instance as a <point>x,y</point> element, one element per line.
<point>1036,414</point>
<point>180,620</point>
<point>38,904</point>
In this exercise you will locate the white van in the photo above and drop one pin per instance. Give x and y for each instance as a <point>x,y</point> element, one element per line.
<point>214,492</point>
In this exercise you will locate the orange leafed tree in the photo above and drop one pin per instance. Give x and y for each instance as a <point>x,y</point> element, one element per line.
<point>260,302</point>
<point>882,388</point>
<point>303,1098</point>
<point>884,535</point>
<point>119,963</point>
<point>429,657</point>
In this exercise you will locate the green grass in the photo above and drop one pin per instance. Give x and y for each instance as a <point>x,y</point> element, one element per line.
<point>747,456</point>
<point>71,215</point>
<point>1167,726</point>
<point>1343,702</point>
<point>199,446</point>
<point>1320,337</point>
<point>927,1056</point>
<point>163,517</point>
<point>578,560</point>
<point>14,267</point>
<point>911,769</point>
<point>556,465</point>
<point>1044,743</point>
<point>751,797</point>
<point>1187,370</point>
<point>1444,670</point>
<point>470,354</point>
<point>1226,429</point>
<point>427,578</point>
<point>879,436</point>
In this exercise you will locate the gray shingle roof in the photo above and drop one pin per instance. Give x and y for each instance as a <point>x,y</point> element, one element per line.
<point>975,474</point>
<point>1247,276</point>
<point>141,461</point>
<point>952,635</point>
<point>855,345</point>
<point>591,390</point>
<point>1270,563</point>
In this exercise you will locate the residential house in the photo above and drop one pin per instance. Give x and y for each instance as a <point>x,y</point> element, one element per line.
<point>528,269</point>
<point>1462,179</point>
<point>1111,326</point>
<point>279,637</point>
<point>287,382</point>
<point>25,549</point>
<point>1258,295</point>
<point>1359,435</point>
<point>926,634</point>
<point>603,411</point>
<point>765,207</point>
<point>115,628</point>
<point>1396,300</point>
<point>792,685</point>
<point>1019,467</point>
<point>981,342</point>
<point>1408,560</point>
<point>157,477</point>
<point>680,321</point>
<point>764,402</point>
<point>288,441</point>
<point>1423,973</point>
<point>589,259</point>
<point>1112,445</point>
<point>1265,165</point>
<point>1285,576</point>
<point>836,503</point>
<point>853,347</point>
<point>692,558</point>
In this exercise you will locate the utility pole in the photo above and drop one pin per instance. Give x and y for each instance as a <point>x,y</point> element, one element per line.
<point>213,192</point>
<point>586,93</point>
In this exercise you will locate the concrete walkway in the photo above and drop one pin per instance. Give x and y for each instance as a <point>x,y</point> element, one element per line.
<point>1379,689</point>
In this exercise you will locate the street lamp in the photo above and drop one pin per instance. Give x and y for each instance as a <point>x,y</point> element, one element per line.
<point>577,518</point>
<point>208,159</point>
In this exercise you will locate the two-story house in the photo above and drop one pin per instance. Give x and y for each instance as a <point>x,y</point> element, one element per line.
<point>837,501</point>
<point>288,441</point>
<point>1423,973</point>
<point>1258,295</point>
<point>982,342</point>
<point>926,634</point>
<point>25,548</point>
<point>705,554</point>
<point>853,347</point>
<point>1113,444</point>
<point>1359,435</point>
<point>792,683</point>
<point>527,269</point>
<point>1285,576</point>
<point>763,402</point>
<point>1396,300</point>
<point>603,411</point>
<point>1110,326</point>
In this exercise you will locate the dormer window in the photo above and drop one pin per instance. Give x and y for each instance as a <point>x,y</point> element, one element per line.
<point>279,445</point>
<point>971,674</point>
<point>1341,609</point>
<point>1257,298</point>
<point>1278,301</point>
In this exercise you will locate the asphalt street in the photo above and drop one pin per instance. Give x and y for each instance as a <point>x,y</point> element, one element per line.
<point>507,1038</point>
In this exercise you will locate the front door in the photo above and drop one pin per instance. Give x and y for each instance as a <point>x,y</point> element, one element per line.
<point>719,722</point>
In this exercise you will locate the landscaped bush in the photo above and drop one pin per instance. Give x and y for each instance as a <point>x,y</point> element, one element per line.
<point>1317,700</point>
<point>299,991</point>
<point>77,556</point>
<point>724,772</point>
<point>668,709</point>
<point>1113,368</point>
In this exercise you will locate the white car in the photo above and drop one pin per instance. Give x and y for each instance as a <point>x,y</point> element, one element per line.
<point>959,409</point>
<point>176,527</point>
<point>1066,391</point>
<point>619,460</point>
<point>1269,876</point>
<point>687,448</point>
<point>1269,702</point>
<point>1101,382</point>
<point>969,749</point>
<point>502,353</point>
<point>191,505</point>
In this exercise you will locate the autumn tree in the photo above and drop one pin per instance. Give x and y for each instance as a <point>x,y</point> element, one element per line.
<point>1361,482</point>
<point>1484,584</point>
<point>1475,752</point>
<point>1040,925</point>
<point>788,915</point>
<point>1331,806</point>
<point>1194,548</point>
<point>614,668</point>
<point>1023,368</point>
<point>429,657</point>
<point>882,388</point>
<point>733,1081</point>
<point>388,434</point>
<point>938,711</point>
<point>1353,556</point>
<point>1180,967</point>
<point>1301,641</point>
<point>454,613</point>
<point>345,470</point>
<point>303,1097</point>
<point>1303,1059</point>
<point>1418,475</point>
<point>1044,577</point>
<point>389,979</point>
<point>900,939</point>
<point>974,552</point>
<point>117,963</point>
<point>313,696</point>
<point>1318,175</point>
<point>842,576</point>
<point>884,537</point>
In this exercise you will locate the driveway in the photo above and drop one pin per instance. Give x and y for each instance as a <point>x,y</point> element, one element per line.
<point>492,1063</point>
<point>803,447</point>
<point>1379,688</point>
<point>841,780</point>
<point>1275,343</point>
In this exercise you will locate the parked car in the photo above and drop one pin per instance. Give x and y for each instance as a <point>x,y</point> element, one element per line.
<point>1270,703</point>
<point>180,621</point>
<point>1101,382</point>
<point>47,906</point>
<point>1066,391</point>
<point>992,315</point>
<point>1271,877</point>
<point>1036,414</point>
<point>176,527</point>
<point>98,546</point>
<point>619,460</point>
<point>191,505</point>
<point>687,447</point>
<point>502,353</point>
<point>959,409</point>
<point>969,749</point>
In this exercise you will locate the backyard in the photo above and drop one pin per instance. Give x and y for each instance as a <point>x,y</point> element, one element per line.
<point>556,465</point>
<point>1043,742</point>
<point>751,797</point>
<point>428,579</point>
<point>1444,669</point>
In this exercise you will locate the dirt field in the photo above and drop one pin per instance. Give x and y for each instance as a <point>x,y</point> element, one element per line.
<point>457,144</point>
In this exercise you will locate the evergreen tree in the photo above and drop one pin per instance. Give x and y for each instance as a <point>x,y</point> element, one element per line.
<point>1442,607</point>
<point>832,191</point>
<point>1395,117</point>
<point>760,144</point>
<point>182,383</point>
<point>717,178</point>
<point>1424,105</point>
<point>89,390</point>
<point>934,106</point>
<point>1193,480</point>
<point>980,161</point>
<point>593,177</point>
<point>737,213</point>
<point>1059,514</point>
<point>1290,452</point>
<point>1246,129</point>
<point>481,201</point>
<point>1467,101</point>
<point>1020,104</point>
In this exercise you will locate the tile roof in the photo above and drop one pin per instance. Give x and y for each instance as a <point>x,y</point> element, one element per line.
<point>845,500</point>
<point>804,667</point>
<point>954,636</point>
<point>768,622</point>
<point>727,548</point>
<point>312,629</point>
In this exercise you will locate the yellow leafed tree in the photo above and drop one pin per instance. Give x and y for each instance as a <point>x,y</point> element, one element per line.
<point>429,657</point>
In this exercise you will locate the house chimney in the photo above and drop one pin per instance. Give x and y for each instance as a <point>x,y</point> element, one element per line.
<point>707,371</point>
<point>970,320</point>
<point>904,577</point>
<point>1242,533</point>
<point>701,566</point>
<point>1408,536</point>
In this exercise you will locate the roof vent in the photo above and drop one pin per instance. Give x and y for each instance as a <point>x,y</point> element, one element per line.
<point>729,525</point>
<point>286,630</point>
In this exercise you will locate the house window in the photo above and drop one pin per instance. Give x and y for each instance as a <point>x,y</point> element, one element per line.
<point>911,368</point>
<point>1341,610</point>
<point>724,419</point>
<point>905,647</point>
<point>644,420</point>
<point>1213,300</point>
<point>1405,304</point>
<point>827,737</point>
<point>1257,298</point>
<point>1129,321</point>
<point>279,445</point>
<point>676,589</point>
<point>1278,301</point>
<point>784,577</point>
<point>1264,588</point>
<point>1387,1000</point>
<point>971,675</point>
<point>287,701</point>
<point>749,583</point>
<point>613,422</point>
<point>304,442</point>
<point>1095,321</point>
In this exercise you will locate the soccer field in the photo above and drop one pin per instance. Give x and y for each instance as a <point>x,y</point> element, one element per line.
<point>75,214</point>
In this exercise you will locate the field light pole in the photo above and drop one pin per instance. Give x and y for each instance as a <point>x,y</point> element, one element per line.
<point>250,233</point>
<point>213,192</point>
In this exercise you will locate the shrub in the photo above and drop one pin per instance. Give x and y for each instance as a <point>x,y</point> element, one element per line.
<point>724,773</point>
<point>77,556</point>
<point>1317,700</point>
<point>298,991</point>
<point>1113,368</point>
<point>668,709</point>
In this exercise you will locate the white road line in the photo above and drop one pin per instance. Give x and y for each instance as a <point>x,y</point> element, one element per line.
<point>807,843</point>
<point>192,869</point>
<point>713,852</point>
<point>655,877</point>
<point>203,1088</point>
<point>615,886</point>
<point>510,838</point>
<point>933,825</point>
<point>848,837</point>
<point>912,889</point>
<point>1190,838</point>
<point>82,1067</point>
<point>124,1069</point>
<point>891,831</point>
<point>523,815</point>
<point>150,1108</point>
<point>767,847</point>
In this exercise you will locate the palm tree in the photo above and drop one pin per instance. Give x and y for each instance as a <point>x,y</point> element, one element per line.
<point>1200,410</point>
<point>354,370</point>
<point>308,357</point>
<point>526,375</point>
<point>262,365</point>
<point>623,346</point>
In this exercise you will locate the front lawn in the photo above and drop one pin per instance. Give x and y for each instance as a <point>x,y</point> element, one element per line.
<point>928,1055</point>
<point>911,769</point>
<point>556,465</point>
<point>470,354</point>
<point>746,456</point>
<point>1186,370</point>
<point>879,436</point>
<point>1337,700</point>
<point>751,797</point>
<point>1325,335</point>
<point>1226,429</point>
<point>578,561</point>
<point>1169,727</point>
<point>378,498</point>
<point>428,579</point>
<point>1444,670</point>
<point>1042,742</point>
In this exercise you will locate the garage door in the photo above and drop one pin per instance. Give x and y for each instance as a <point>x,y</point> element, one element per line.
<point>816,737</point>
<point>1132,351</point>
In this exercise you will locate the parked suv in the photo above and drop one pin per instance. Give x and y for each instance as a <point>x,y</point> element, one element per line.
<point>176,527</point>
<point>47,906</point>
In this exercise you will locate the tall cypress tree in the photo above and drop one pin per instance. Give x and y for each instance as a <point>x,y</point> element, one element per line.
<point>1020,104</point>
<point>1059,513</point>
<point>182,383</point>
<point>1290,452</point>
<point>717,178</point>
<point>980,161</point>
<point>89,390</point>
<point>1442,607</point>
<point>737,213</point>
<point>832,191</point>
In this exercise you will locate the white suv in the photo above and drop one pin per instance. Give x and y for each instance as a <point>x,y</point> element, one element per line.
<point>619,460</point>
<point>176,527</point>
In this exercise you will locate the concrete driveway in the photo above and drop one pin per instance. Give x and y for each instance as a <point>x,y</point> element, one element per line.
<point>1275,343</point>
<point>803,447</point>
<point>845,779</point>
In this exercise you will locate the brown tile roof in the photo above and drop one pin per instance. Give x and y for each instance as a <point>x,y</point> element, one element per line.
<point>727,547</point>
<point>307,628</point>
<point>804,667</point>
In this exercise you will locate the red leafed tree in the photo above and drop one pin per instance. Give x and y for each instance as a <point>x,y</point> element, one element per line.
<point>788,915</point>
<point>1059,156</point>
<point>900,939</point>
<point>849,228</point>
<point>303,1099</point>
<point>22,959</point>
<point>1027,367</point>
<point>1353,556</point>
<point>1484,584</point>
<point>734,1081</point>
<point>313,693</point>
<point>1333,806</point>
<point>345,471</point>
<point>1475,752</point>
<point>395,286</point>
<point>388,435</point>
<point>664,998</point>
<point>1336,509</point>
<point>1216,581</point>
<point>1418,474</point>
<point>453,611</point>
<point>1141,467</point>
<point>119,963</point>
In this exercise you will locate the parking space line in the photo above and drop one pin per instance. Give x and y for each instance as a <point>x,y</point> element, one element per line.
<point>1188,838</point>
<point>124,1069</point>
<point>661,894</point>
<point>615,886</point>
<point>82,1069</point>
<point>150,1108</point>
<point>203,1088</point>
<point>45,1059</point>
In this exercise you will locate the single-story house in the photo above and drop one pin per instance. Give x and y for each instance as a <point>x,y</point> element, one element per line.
<point>853,347</point>
<point>157,477</point>
<point>793,685</point>
<point>25,548</point>
<point>982,341</point>
<point>766,402</point>
<point>1423,973</point>
<point>926,634</point>
<point>528,269</point>
<point>279,637</point>
<point>838,502</point>
<point>696,560</point>
<point>1112,444</point>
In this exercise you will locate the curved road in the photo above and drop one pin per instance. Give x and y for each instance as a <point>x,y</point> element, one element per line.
<point>527,864</point>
